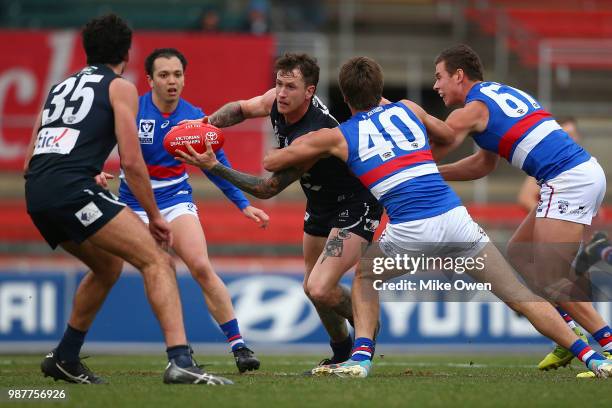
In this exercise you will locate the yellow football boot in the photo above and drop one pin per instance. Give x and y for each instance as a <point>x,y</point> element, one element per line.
<point>560,356</point>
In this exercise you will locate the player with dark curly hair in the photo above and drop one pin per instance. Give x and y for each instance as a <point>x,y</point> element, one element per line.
<point>82,120</point>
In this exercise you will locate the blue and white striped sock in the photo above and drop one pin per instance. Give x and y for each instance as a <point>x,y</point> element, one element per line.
<point>585,353</point>
<point>568,319</point>
<point>363,349</point>
<point>232,332</point>
<point>604,338</point>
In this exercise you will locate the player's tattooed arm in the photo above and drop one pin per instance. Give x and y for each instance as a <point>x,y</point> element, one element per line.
<point>236,112</point>
<point>258,186</point>
<point>228,115</point>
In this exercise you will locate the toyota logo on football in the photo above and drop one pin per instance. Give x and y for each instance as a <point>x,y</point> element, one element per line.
<point>273,309</point>
<point>211,136</point>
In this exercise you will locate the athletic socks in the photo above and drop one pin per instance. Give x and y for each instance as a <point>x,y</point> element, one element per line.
<point>568,319</point>
<point>342,349</point>
<point>181,355</point>
<point>70,346</point>
<point>363,349</point>
<point>585,353</point>
<point>604,338</point>
<point>232,332</point>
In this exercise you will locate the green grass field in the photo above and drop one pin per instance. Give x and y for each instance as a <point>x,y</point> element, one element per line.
<point>403,380</point>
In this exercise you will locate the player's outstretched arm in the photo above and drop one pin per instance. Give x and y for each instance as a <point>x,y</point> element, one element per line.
<point>305,149</point>
<point>472,167</point>
<point>236,112</point>
<point>257,186</point>
<point>124,100</point>
<point>472,118</point>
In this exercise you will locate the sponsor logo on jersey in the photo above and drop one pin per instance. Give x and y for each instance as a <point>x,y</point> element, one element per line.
<point>344,214</point>
<point>146,128</point>
<point>88,214</point>
<point>58,140</point>
<point>165,124</point>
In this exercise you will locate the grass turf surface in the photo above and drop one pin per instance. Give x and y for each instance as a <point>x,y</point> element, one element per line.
<point>402,380</point>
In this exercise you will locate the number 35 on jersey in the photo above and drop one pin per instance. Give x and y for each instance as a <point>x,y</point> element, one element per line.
<point>73,91</point>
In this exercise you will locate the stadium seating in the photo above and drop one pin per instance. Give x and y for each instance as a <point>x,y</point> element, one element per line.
<point>578,5</point>
<point>528,26</point>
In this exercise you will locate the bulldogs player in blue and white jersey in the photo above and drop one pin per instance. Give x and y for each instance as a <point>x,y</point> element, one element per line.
<point>507,122</point>
<point>160,110</point>
<point>387,148</point>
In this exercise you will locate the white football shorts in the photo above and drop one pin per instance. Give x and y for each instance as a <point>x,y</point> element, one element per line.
<point>574,195</point>
<point>172,212</point>
<point>453,233</point>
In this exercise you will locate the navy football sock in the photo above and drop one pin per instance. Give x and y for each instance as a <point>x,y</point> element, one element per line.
<point>181,355</point>
<point>342,349</point>
<point>70,345</point>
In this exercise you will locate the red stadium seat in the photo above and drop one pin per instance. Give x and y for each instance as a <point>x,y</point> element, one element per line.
<point>573,28</point>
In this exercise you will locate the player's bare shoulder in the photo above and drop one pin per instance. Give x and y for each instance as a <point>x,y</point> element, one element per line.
<point>258,106</point>
<point>120,88</point>
<point>415,108</point>
<point>472,118</point>
<point>476,113</point>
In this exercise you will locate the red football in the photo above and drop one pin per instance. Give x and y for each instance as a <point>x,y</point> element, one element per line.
<point>193,133</point>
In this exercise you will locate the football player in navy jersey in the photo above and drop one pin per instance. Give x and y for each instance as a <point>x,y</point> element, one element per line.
<point>160,110</point>
<point>507,122</point>
<point>386,146</point>
<point>341,214</point>
<point>84,117</point>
